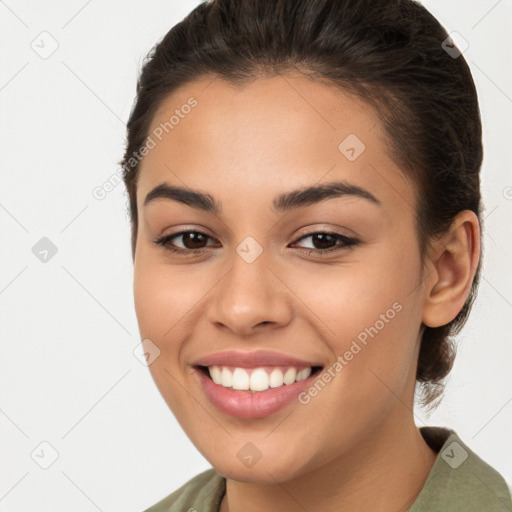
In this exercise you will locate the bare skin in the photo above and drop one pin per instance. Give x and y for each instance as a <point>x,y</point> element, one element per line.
<point>355,445</point>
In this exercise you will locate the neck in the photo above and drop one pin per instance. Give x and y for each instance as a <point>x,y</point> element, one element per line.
<point>384,472</point>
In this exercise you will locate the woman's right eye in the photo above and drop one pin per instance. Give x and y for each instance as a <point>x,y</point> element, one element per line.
<point>188,237</point>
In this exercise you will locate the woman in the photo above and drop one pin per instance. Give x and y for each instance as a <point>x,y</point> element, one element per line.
<point>303,178</point>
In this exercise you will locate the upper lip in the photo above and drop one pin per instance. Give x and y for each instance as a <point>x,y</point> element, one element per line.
<point>253,359</point>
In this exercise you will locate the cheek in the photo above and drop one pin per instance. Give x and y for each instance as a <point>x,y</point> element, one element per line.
<point>161,305</point>
<point>162,298</point>
<point>346,299</point>
<point>167,302</point>
<point>370,312</point>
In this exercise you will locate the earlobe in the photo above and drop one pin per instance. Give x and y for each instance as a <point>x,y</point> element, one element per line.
<point>454,259</point>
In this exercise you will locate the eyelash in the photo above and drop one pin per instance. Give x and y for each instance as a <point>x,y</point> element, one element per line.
<point>347,243</point>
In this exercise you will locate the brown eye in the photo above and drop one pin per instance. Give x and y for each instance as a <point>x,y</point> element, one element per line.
<point>323,241</point>
<point>192,241</point>
<point>328,242</point>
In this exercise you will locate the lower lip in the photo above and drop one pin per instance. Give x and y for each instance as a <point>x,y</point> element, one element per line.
<point>252,404</point>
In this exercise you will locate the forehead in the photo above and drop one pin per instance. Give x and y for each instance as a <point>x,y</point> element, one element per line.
<point>268,133</point>
<point>288,109</point>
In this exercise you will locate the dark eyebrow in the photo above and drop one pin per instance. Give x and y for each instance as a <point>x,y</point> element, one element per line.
<point>193,198</point>
<point>282,203</point>
<point>311,195</point>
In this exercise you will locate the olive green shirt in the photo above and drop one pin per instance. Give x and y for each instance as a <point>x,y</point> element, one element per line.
<point>459,481</point>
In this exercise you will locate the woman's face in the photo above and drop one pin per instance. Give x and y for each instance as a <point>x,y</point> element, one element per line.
<point>255,279</point>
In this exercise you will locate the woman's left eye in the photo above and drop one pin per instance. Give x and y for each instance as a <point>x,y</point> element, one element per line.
<point>324,238</point>
<point>334,241</point>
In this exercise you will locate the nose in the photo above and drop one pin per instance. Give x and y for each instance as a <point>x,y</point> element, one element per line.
<point>249,297</point>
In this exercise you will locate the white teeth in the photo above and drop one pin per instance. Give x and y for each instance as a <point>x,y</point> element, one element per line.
<point>303,374</point>
<point>240,379</point>
<point>259,380</point>
<point>256,379</point>
<point>289,376</point>
<point>226,379</point>
<point>276,378</point>
<point>215,374</point>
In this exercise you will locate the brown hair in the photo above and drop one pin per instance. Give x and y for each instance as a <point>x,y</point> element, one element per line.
<point>392,54</point>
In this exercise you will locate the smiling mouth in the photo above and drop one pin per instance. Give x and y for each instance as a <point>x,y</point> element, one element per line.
<point>257,379</point>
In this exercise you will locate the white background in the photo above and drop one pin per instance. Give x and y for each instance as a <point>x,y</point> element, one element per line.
<point>68,326</point>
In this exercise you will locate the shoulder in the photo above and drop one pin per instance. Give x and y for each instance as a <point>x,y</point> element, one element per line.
<point>460,480</point>
<point>202,493</point>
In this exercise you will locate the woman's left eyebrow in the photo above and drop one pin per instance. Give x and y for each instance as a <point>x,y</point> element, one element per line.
<point>282,203</point>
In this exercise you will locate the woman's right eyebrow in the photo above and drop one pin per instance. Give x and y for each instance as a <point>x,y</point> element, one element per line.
<point>282,203</point>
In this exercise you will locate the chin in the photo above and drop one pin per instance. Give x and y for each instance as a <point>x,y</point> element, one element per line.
<point>263,472</point>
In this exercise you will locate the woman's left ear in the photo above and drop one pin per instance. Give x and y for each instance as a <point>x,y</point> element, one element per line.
<point>453,260</point>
